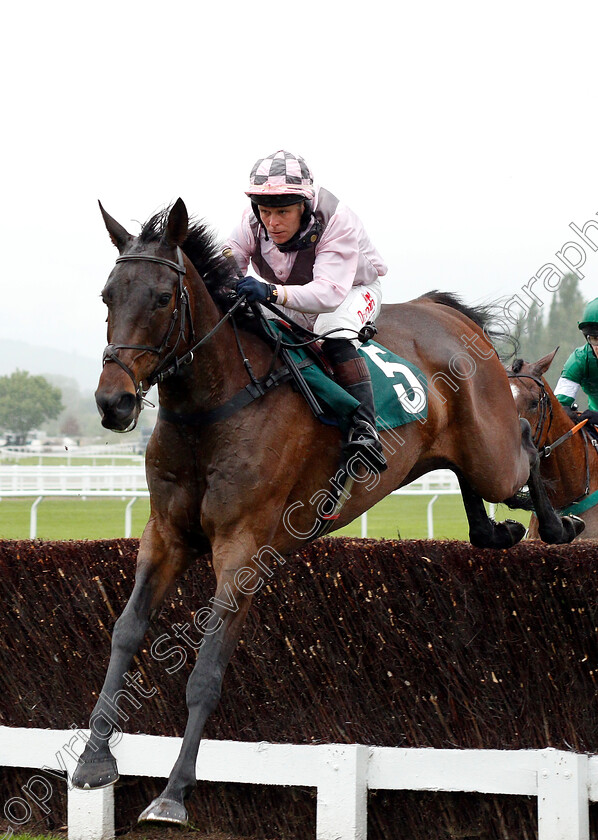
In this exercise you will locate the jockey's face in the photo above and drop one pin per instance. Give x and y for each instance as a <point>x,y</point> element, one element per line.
<point>282,223</point>
<point>593,342</point>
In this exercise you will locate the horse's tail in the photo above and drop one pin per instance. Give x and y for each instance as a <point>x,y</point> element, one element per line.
<point>486,318</point>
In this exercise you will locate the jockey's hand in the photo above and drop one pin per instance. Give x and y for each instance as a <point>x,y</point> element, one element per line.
<point>590,416</point>
<point>255,290</point>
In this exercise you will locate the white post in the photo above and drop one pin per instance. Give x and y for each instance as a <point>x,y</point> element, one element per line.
<point>342,793</point>
<point>91,814</point>
<point>431,517</point>
<point>33,518</point>
<point>364,524</point>
<point>563,796</point>
<point>129,517</point>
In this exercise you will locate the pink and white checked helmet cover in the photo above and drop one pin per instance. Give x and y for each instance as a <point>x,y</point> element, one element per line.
<point>281,173</point>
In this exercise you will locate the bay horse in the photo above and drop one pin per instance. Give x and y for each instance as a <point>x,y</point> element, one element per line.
<point>243,482</point>
<point>569,468</point>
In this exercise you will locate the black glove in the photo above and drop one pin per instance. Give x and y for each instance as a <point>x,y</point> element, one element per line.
<point>572,412</point>
<point>255,290</point>
<point>590,416</point>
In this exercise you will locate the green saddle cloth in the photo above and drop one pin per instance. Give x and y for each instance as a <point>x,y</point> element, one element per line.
<point>400,388</point>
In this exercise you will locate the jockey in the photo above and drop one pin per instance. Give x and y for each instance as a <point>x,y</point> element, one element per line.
<point>318,265</point>
<point>581,368</point>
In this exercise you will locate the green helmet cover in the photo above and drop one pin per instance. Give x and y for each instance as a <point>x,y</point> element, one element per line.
<point>590,316</point>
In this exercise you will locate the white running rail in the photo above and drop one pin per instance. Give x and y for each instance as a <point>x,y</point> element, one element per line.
<point>563,782</point>
<point>18,480</point>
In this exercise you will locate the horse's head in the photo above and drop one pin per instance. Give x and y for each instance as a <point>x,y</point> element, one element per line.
<point>147,316</point>
<point>531,392</point>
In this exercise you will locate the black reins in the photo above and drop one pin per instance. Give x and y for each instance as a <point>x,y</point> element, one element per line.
<point>171,364</point>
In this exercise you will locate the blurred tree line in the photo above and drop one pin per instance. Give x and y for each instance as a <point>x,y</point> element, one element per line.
<point>55,404</point>
<point>544,328</point>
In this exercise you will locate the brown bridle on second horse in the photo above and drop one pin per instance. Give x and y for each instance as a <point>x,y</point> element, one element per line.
<point>546,414</point>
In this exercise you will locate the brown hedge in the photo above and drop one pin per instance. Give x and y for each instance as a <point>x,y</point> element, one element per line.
<point>411,643</point>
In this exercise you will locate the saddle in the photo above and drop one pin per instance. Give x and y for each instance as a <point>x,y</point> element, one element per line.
<point>286,331</point>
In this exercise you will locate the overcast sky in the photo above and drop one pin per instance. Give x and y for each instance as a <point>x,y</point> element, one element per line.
<point>463,133</point>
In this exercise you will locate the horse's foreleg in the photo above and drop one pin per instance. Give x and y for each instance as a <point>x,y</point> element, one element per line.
<point>97,767</point>
<point>553,529</point>
<point>483,531</point>
<point>222,631</point>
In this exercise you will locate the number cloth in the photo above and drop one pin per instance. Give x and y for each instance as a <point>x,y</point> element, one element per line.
<point>400,388</point>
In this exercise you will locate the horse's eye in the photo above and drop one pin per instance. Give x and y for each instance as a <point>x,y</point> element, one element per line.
<point>106,297</point>
<point>164,300</point>
<point>534,404</point>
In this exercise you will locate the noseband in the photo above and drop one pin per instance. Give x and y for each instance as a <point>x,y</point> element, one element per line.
<point>181,312</point>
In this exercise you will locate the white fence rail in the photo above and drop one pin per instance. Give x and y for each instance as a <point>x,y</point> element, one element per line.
<point>563,782</point>
<point>96,454</point>
<point>18,480</point>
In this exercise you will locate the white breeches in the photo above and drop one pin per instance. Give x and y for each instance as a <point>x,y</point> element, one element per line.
<point>361,304</point>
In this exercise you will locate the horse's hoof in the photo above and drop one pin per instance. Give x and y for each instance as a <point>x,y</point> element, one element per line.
<point>95,773</point>
<point>573,526</point>
<point>166,811</point>
<point>498,535</point>
<point>570,527</point>
<point>515,531</point>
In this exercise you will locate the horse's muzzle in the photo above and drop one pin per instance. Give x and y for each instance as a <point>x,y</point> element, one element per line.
<point>118,410</point>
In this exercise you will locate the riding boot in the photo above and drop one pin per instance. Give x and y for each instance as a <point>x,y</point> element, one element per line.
<point>352,373</point>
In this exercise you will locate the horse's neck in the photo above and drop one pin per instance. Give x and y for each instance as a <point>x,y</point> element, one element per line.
<point>567,464</point>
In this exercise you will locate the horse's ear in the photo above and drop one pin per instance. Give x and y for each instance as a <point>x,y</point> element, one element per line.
<point>542,365</point>
<point>119,236</point>
<point>177,225</point>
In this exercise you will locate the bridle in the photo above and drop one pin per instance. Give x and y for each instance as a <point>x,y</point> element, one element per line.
<point>180,313</point>
<point>169,364</point>
<point>545,412</point>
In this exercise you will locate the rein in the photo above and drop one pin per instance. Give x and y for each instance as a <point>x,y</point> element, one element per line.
<point>171,364</point>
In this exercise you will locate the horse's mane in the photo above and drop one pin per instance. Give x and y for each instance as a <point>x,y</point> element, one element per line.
<point>484,316</point>
<point>202,248</point>
<point>517,365</point>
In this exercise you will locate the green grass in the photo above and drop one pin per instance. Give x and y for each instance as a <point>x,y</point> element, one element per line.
<point>71,519</point>
<point>92,519</point>
<point>27,836</point>
<point>405,517</point>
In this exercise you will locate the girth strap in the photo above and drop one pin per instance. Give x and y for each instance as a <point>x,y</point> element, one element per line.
<point>252,391</point>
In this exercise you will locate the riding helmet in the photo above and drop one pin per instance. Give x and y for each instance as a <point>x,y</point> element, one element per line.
<point>589,319</point>
<point>279,180</point>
